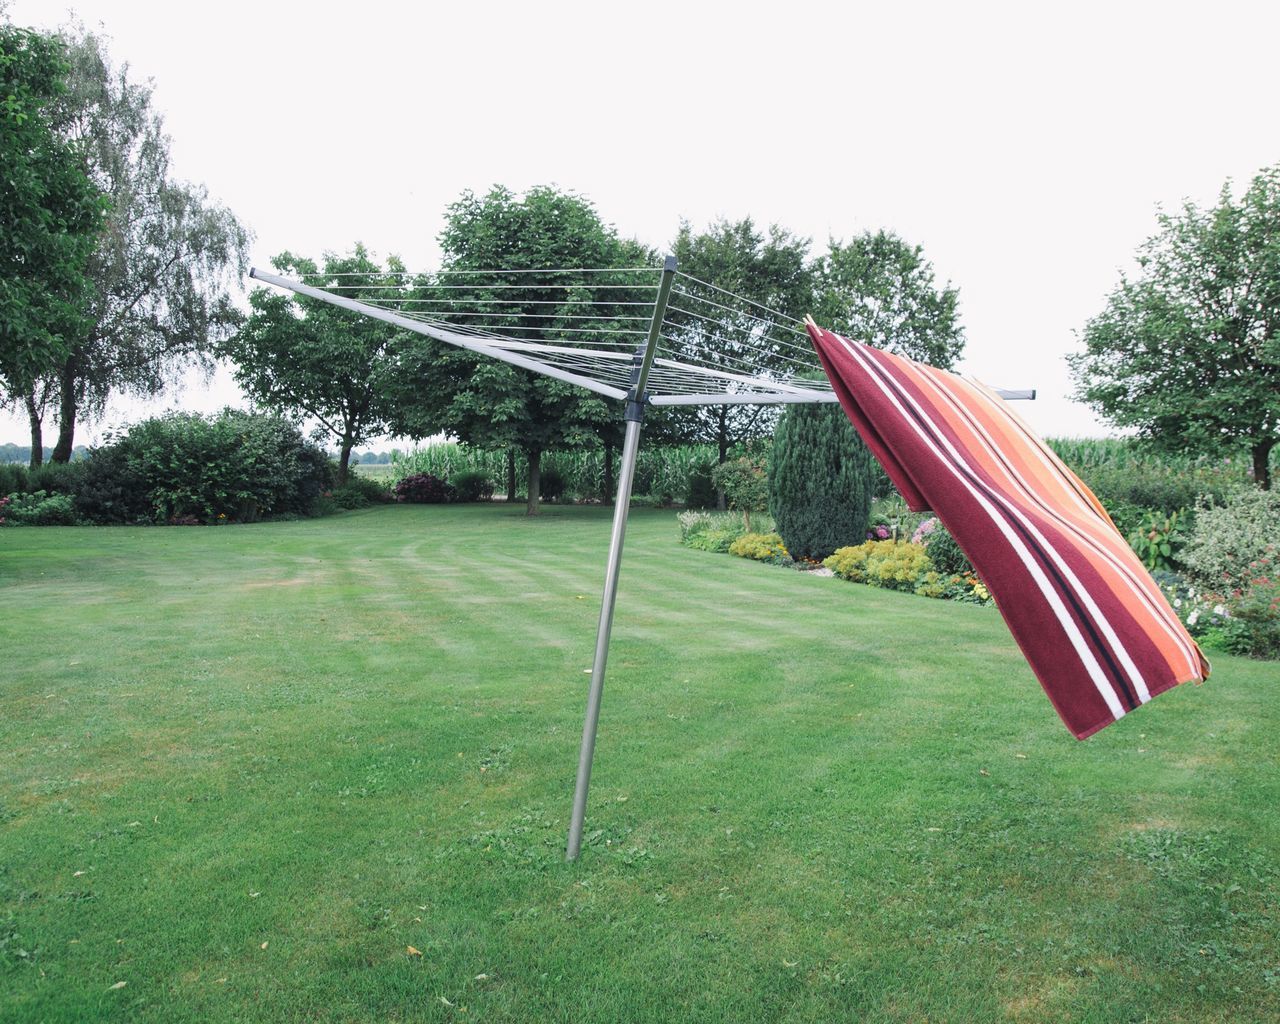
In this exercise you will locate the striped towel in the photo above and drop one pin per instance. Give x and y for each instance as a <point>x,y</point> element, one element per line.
<point>1092,623</point>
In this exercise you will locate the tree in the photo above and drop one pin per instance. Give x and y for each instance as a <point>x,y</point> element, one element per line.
<point>1188,353</point>
<point>880,290</point>
<point>820,481</point>
<point>50,214</point>
<point>771,270</point>
<point>491,404</point>
<point>744,484</point>
<point>300,354</point>
<point>163,266</point>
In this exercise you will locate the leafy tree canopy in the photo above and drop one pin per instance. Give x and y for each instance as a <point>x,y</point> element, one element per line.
<point>492,404</point>
<point>744,484</point>
<point>50,213</point>
<point>296,354</point>
<point>1188,352</point>
<point>880,290</point>
<point>165,265</point>
<point>770,268</point>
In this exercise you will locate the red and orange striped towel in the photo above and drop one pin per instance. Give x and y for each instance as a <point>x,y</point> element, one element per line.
<point>1094,626</point>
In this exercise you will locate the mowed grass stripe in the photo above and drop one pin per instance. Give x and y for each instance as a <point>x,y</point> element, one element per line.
<point>812,800</point>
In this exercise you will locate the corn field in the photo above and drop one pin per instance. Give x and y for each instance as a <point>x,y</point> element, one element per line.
<point>1116,468</point>
<point>661,471</point>
<point>1083,453</point>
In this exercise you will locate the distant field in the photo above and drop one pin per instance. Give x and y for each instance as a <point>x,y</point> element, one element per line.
<point>378,471</point>
<point>321,771</point>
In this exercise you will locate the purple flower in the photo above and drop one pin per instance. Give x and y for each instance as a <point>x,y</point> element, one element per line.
<point>923,531</point>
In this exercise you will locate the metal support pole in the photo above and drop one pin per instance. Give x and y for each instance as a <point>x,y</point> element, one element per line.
<point>630,447</point>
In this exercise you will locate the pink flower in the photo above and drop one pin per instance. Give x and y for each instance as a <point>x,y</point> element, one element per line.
<point>923,531</point>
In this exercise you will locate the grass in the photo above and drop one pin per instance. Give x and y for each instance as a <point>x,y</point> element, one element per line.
<point>243,770</point>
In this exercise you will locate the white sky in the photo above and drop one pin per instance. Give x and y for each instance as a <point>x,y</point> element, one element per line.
<point>1025,146</point>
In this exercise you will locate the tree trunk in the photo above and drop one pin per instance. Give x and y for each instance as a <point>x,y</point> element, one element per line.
<point>722,438</point>
<point>1262,464</point>
<point>511,474</point>
<point>66,413</point>
<point>37,430</point>
<point>344,458</point>
<point>535,480</point>
<point>608,473</point>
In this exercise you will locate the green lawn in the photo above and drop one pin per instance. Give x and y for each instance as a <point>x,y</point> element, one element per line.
<point>244,769</point>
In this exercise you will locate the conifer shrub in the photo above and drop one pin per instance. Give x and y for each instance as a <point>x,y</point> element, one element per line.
<point>820,481</point>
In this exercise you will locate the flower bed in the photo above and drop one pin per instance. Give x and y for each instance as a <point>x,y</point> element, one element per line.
<point>1230,601</point>
<point>879,562</point>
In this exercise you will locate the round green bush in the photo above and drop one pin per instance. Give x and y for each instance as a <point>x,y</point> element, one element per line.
<point>111,490</point>
<point>1230,542</point>
<point>361,492</point>
<point>422,489</point>
<point>551,484</point>
<point>40,508</point>
<point>472,485</point>
<point>235,466</point>
<point>13,478</point>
